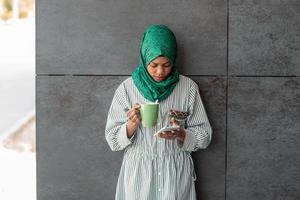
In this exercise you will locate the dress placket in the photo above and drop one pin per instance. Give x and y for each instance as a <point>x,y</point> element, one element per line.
<point>160,154</point>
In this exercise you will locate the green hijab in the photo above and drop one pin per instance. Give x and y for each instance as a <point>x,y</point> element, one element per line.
<point>158,40</point>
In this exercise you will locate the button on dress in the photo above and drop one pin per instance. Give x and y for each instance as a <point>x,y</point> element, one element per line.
<point>154,168</point>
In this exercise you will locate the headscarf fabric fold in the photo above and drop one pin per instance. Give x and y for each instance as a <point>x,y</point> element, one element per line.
<point>158,40</point>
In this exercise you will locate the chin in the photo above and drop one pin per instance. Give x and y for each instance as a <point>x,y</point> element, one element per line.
<point>159,79</point>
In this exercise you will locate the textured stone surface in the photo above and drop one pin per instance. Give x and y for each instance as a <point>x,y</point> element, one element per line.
<point>102,37</point>
<point>73,158</point>
<point>264,37</point>
<point>263,138</point>
<point>210,163</point>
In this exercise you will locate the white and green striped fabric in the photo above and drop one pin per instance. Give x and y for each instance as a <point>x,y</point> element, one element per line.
<point>154,168</point>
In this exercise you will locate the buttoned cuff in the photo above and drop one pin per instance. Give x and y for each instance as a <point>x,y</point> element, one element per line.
<point>122,137</point>
<point>132,137</point>
<point>189,142</point>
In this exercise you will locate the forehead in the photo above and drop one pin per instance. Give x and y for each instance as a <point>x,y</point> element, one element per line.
<point>160,60</point>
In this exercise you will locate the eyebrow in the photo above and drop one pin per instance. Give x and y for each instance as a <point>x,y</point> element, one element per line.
<point>163,64</point>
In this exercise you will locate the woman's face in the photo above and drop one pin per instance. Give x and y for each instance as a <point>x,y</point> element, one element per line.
<point>159,68</point>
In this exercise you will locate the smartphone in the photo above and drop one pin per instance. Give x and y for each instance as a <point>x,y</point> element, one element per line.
<point>167,128</point>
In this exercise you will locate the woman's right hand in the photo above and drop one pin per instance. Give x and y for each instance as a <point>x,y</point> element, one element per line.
<point>133,119</point>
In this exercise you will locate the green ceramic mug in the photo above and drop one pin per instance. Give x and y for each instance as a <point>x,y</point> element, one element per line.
<point>149,114</point>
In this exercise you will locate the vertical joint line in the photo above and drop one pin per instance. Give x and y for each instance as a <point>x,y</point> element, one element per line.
<point>227,65</point>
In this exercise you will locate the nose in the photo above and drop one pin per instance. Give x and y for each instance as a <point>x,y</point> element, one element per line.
<point>160,71</point>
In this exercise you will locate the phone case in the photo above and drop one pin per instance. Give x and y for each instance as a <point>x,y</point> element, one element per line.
<point>167,128</point>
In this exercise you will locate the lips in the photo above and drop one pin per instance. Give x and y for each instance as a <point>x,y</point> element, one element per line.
<point>159,78</point>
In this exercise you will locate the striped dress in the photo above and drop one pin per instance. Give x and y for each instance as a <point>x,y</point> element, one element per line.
<point>154,168</point>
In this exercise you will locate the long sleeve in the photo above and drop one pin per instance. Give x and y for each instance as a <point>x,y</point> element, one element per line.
<point>115,130</point>
<point>198,129</point>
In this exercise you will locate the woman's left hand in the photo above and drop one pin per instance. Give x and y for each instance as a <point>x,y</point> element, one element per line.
<point>177,134</point>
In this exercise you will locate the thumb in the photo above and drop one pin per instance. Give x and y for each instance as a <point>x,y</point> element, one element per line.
<point>174,122</point>
<point>136,105</point>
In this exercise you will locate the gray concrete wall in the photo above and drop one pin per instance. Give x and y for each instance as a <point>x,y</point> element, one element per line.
<point>243,54</point>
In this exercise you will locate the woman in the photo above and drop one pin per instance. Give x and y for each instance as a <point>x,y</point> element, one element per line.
<point>160,167</point>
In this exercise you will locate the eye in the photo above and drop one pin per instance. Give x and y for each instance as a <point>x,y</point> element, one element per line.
<point>167,65</point>
<point>153,65</point>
